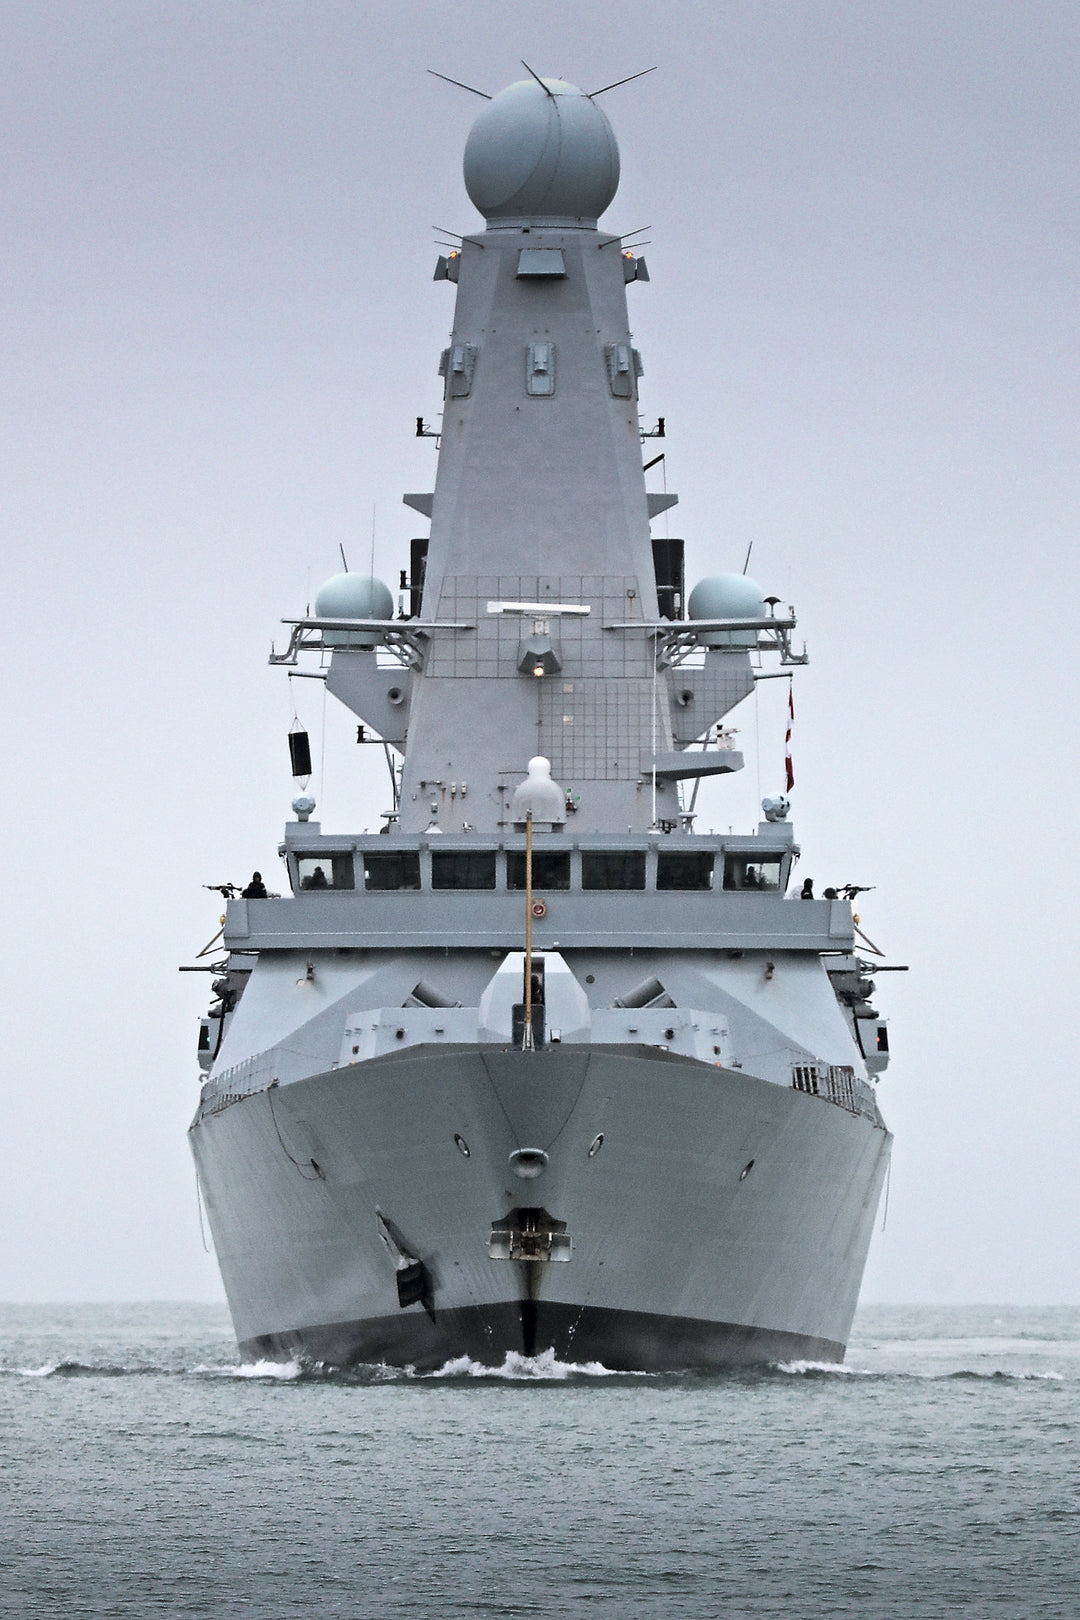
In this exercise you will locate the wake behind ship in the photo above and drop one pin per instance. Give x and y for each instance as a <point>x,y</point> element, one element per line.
<point>538,1066</point>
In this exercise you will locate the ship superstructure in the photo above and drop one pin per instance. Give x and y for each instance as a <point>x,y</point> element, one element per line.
<point>538,1065</point>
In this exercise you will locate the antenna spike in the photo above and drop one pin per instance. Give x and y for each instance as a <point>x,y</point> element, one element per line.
<point>617,82</point>
<point>537,77</point>
<point>470,87</point>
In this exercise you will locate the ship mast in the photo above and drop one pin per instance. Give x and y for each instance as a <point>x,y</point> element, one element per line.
<point>536,631</point>
<point>539,517</point>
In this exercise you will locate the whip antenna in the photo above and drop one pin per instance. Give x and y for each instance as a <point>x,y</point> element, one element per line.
<point>615,86</point>
<point>470,87</point>
<point>537,77</point>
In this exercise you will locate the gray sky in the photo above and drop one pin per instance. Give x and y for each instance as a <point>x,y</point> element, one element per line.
<point>218,326</point>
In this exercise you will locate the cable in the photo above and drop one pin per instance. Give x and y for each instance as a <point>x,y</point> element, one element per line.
<point>655,674</point>
<point>888,1184</point>
<point>319,1174</point>
<point>198,1200</point>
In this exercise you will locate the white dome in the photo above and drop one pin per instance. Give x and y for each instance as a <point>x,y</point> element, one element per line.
<point>541,153</point>
<point>352,596</point>
<point>540,794</point>
<point>727,596</point>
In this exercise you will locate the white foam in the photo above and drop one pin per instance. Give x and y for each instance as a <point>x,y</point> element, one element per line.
<point>798,1367</point>
<point>282,1370</point>
<point>517,1368</point>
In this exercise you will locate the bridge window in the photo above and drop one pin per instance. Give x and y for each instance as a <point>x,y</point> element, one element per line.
<point>551,869</point>
<point>325,871</point>
<point>463,869</point>
<point>684,870</point>
<point>613,869</point>
<point>397,871</point>
<point>752,871</point>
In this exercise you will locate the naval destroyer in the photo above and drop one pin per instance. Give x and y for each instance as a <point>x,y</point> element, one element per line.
<point>537,1066</point>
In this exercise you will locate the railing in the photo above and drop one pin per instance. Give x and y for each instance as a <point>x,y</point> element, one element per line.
<point>836,1083</point>
<point>404,639</point>
<point>238,1082</point>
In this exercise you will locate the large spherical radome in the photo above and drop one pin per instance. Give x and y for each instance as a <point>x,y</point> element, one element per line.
<point>534,155</point>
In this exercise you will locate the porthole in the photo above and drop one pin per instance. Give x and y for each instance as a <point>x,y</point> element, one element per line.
<point>746,1169</point>
<point>590,978</point>
<point>462,1145</point>
<point>596,1144</point>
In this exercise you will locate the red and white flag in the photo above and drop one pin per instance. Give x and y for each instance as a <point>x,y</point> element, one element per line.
<point>787,740</point>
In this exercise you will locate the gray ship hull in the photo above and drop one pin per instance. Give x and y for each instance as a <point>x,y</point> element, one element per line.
<point>722,1218</point>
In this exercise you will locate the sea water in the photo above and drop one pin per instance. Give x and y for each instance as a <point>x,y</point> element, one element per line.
<point>147,1472</point>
